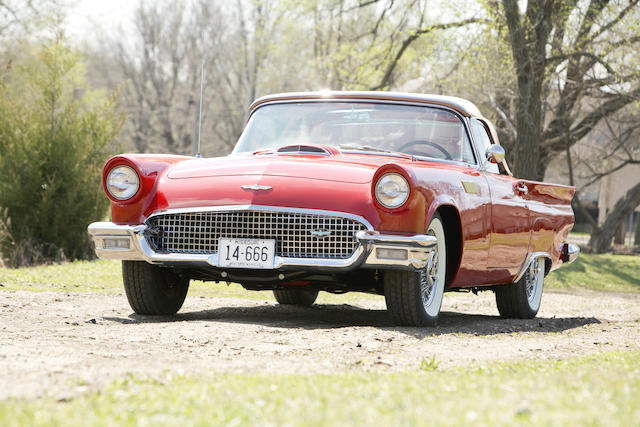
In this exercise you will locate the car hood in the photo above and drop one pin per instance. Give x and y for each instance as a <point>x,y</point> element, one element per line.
<point>354,169</point>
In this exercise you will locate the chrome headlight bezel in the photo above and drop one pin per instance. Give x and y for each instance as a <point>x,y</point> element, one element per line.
<point>392,190</point>
<point>122,182</point>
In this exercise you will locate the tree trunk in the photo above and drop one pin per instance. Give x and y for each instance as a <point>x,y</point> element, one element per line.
<point>526,158</point>
<point>621,232</point>
<point>528,36</point>
<point>636,240</point>
<point>600,241</point>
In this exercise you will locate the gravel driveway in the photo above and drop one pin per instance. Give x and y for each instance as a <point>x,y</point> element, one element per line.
<point>59,345</point>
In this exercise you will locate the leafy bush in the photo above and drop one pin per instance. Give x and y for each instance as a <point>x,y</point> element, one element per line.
<point>54,139</point>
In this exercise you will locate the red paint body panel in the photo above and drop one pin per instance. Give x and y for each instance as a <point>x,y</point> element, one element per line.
<point>499,225</point>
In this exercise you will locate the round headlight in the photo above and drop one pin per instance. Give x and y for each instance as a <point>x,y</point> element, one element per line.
<point>392,190</point>
<point>122,182</point>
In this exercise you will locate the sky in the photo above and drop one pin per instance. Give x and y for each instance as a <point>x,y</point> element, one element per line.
<point>87,17</point>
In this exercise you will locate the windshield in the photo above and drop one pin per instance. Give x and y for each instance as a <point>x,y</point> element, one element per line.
<point>359,126</point>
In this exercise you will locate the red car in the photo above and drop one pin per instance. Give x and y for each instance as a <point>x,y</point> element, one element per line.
<point>402,195</point>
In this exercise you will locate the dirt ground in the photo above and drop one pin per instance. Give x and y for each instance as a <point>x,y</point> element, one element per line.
<point>60,345</point>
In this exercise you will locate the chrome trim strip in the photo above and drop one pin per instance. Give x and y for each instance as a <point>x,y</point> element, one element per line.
<point>256,187</point>
<point>262,208</point>
<point>418,240</point>
<point>527,263</point>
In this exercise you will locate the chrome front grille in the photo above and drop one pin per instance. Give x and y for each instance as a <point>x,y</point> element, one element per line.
<point>198,232</point>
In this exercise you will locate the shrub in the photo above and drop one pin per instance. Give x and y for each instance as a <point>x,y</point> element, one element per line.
<point>55,135</point>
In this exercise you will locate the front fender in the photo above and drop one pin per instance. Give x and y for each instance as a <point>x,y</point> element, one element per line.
<point>149,168</point>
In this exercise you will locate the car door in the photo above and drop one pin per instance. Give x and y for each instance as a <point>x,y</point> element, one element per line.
<point>510,219</point>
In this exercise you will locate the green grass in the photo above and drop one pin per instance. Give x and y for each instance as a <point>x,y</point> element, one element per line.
<point>106,277</point>
<point>605,272</point>
<point>580,233</point>
<point>596,272</point>
<point>78,276</point>
<point>601,389</point>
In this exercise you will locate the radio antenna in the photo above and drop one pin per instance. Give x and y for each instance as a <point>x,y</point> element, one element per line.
<point>200,107</point>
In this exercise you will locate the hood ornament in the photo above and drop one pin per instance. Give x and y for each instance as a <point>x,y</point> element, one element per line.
<point>256,187</point>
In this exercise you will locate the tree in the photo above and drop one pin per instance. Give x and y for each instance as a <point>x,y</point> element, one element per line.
<point>616,144</point>
<point>377,44</point>
<point>161,64</point>
<point>601,236</point>
<point>575,64</point>
<point>22,15</point>
<point>54,134</point>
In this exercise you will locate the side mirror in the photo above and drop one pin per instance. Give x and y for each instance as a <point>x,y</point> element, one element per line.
<point>494,153</point>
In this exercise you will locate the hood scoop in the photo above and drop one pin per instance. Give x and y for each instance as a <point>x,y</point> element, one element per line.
<point>303,149</point>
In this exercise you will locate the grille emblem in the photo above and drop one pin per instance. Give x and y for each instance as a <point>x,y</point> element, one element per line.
<point>256,187</point>
<point>320,233</point>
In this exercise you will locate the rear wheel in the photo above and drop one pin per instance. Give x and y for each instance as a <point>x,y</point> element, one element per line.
<point>153,290</point>
<point>414,298</point>
<point>522,299</point>
<point>301,297</point>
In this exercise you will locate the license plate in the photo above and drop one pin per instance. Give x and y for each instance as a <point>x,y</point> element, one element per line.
<point>246,253</point>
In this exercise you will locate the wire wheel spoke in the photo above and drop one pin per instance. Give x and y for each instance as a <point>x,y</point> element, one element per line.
<point>533,279</point>
<point>429,279</point>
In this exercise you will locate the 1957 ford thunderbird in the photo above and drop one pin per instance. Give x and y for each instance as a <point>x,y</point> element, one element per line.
<point>402,195</point>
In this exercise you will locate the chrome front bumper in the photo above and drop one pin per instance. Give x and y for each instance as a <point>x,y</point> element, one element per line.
<point>376,250</point>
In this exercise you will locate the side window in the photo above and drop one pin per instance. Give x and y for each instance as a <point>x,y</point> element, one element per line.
<point>481,136</point>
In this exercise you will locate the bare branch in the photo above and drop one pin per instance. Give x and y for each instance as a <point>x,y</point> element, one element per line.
<point>614,21</point>
<point>386,78</point>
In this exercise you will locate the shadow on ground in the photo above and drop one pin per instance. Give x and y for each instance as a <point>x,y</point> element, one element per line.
<point>341,316</point>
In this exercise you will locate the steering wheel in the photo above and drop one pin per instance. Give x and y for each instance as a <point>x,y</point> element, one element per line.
<point>438,147</point>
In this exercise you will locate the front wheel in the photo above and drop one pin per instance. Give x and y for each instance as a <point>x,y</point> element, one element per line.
<point>414,298</point>
<point>153,290</point>
<point>522,299</point>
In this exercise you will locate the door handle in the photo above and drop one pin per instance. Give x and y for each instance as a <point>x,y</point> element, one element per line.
<point>522,188</point>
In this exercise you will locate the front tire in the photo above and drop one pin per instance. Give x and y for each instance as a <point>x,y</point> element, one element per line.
<point>300,297</point>
<point>522,299</point>
<point>414,298</point>
<point>153,290</point>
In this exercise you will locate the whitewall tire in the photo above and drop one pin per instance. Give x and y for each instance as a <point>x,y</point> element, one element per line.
<point>414,298</point>
<point>522,299</point>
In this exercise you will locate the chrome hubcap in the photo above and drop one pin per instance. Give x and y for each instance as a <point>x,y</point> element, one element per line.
<point>532,279</point>
<point>429,278</point>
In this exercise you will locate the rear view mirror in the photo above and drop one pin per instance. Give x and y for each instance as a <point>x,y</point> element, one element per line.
<point>494,153</point>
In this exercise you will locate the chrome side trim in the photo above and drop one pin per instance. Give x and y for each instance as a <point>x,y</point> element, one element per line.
<point>527,263</point>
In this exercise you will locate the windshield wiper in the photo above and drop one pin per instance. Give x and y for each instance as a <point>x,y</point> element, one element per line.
<point>368,148</point>
<point>359,147</point>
